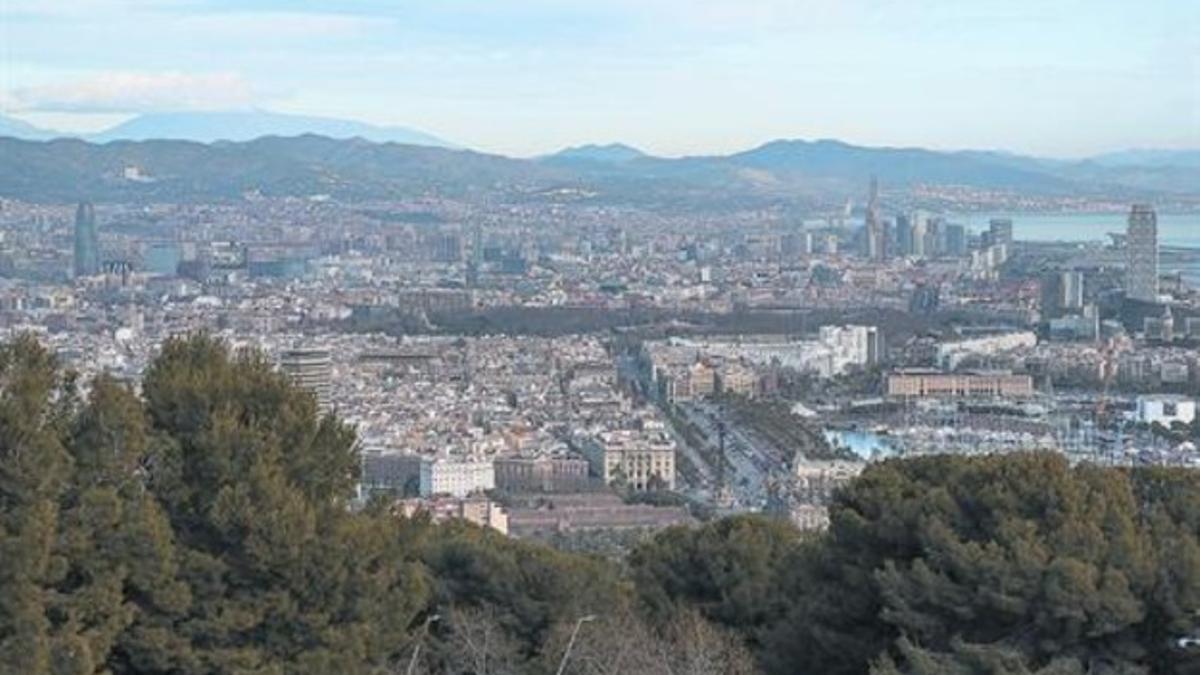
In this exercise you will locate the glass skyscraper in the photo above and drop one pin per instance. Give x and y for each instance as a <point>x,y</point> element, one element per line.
<point>87,246</point>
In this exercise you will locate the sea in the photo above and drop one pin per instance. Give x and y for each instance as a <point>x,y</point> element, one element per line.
<point>1175,231</point>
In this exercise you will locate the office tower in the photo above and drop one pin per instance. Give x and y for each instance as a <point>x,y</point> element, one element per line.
<point>1000,232</point>
<point>933,238</point>
<point>876,235</point>
<point>310,369</point>
<point>1141,271</point>
<point>903,235</point>
<point>955,240</point>
<point>1072,290</point>
<point>87,246</point>
<point>1050,286</point>
<point>920,226</point>
<point>1053,292</point>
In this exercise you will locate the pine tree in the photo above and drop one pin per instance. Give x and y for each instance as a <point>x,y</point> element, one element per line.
<point>34,470</point>
<point>121,584</point>
<point>282,576</point>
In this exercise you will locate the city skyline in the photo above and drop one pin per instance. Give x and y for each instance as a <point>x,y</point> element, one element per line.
<point>671,78</point>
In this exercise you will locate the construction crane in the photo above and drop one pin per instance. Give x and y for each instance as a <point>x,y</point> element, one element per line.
<point>1108,368</point>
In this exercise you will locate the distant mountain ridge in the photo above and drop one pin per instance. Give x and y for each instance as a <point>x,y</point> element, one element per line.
<point>207,127</point>
<point>236,126</point>
<point>779,172</point>
<point>1149,158</point>
<point>612,153</point>
<point>15,128</point>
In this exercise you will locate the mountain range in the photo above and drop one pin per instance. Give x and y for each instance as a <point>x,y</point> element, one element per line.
<point>348,163</point>
<point>233,125</point>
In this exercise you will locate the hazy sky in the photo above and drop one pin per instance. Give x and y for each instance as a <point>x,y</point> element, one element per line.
<point>1049,77</point>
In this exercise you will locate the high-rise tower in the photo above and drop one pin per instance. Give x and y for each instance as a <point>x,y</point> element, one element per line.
<point>311,369</point>
<point>1000,232</point>
<point>876,235</point>
<point>87,246</point>
<point>1141,271</point>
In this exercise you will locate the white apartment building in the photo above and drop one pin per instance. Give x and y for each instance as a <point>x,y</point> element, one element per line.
<point>852,345</point>
<point>1165,409</point>
<point>951,354</point>
<point>456,477</point>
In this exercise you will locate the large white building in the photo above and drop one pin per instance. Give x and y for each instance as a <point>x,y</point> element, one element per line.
<point>456,477</point>
<point>1165,409</point>
<point>836,349</point>
<point>952,354</point>
<point>853,345</point>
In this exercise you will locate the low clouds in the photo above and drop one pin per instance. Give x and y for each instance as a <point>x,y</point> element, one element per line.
<point>137,92</point>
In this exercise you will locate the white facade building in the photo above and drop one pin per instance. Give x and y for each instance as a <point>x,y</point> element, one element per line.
<point>456,477</point>
<point>951,354</point>
<point>1165,409</point>
<point>852,345</point>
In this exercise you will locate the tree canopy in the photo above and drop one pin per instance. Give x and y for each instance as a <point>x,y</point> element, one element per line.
<point>950,564</point>
<point>204,523</point>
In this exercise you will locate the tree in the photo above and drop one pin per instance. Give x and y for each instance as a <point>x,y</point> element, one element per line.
<point>475,642</point>
<point>733,571</point>
<point>120,588</point>
<point>963,560</point>
<point>34,471</point>
<point>528,589</point>
<point>283,577</point>
<point>624,643</point>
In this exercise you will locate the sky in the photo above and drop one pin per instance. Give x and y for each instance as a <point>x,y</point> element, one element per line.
<point>1063,78</point>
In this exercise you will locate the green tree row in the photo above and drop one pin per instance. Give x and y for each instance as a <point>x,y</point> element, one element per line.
<point>948,565</point>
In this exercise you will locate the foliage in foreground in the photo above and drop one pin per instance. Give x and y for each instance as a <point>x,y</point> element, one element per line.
<point>1016,564</point>
<point>204,526</point>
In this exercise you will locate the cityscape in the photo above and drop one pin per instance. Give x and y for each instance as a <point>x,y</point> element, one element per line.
<point>712,338</point>
<point>476,356</point>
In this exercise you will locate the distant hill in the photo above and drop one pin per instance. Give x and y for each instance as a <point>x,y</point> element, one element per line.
<point>206,127</point>
<point>893,166</point>
<point>781,172</point>
<point>11,126</point>
<point>613,153</point>
<point>68,169</point>
<point>1150,158</point>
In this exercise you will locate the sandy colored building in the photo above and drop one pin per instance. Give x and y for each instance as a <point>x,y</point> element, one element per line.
<point>935,384</point>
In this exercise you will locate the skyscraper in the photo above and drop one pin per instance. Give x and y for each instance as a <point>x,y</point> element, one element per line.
<point>1062,293</point>
<point>876,234</point>
<point>1000,232</point>
<point>310,369</point>
<point>1072,290</point>
<point>955,237</point>
<point>1141,271</point>
<point>920,228</point>
<point>933,238</point>
<point>903,235</point>
<point>87,246</point>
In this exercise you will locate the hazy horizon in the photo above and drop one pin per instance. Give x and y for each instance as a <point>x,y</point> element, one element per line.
<point>668,77</point>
